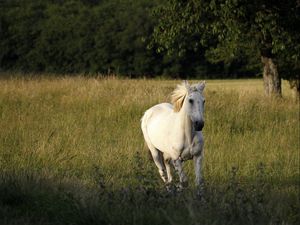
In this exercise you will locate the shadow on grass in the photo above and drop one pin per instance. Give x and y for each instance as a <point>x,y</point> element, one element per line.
<point>31,199</point>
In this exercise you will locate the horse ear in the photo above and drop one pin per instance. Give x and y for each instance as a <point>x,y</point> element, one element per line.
<point>201,86</point>
<point>187,85</point>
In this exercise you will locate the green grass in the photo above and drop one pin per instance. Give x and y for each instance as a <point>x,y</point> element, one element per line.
<point>72,152</point>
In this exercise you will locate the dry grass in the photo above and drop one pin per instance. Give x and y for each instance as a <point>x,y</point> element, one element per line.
<point>69,129</point>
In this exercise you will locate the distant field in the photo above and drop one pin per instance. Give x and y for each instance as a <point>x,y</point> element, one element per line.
<point>72,152</point>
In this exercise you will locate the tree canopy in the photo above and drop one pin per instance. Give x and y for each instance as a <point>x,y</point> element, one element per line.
<point>233,31</point>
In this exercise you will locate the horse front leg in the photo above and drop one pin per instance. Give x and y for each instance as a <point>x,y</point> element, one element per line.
<point>198,175</point>
<point>197,165</point>
<point>198,153</point>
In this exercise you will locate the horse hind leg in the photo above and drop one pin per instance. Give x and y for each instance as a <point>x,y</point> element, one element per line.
<point>158,160</point>
<point>168,168</point>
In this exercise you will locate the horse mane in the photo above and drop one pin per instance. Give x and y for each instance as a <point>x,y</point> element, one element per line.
<point>178,96</point>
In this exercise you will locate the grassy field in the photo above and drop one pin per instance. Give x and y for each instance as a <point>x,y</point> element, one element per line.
<point>72,152</point>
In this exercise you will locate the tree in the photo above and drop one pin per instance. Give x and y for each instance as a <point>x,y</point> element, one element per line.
<point>20,26</point>
<point>78,36</point>
<point>230,29</point>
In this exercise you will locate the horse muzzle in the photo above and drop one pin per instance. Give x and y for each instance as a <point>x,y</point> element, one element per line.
<point>199,125</point>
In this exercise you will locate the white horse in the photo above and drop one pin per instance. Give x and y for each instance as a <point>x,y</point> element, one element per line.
<point>173,133</point>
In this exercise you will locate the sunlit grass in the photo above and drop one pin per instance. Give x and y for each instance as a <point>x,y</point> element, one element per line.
<point>76,129</point>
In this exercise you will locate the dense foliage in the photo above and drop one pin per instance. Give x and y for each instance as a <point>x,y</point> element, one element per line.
<point>93,36</point>
<point>233,31</point>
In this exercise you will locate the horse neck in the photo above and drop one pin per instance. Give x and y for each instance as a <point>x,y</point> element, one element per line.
<point>186,124</point>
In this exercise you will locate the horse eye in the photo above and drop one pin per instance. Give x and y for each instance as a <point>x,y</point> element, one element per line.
<point>191,101</point>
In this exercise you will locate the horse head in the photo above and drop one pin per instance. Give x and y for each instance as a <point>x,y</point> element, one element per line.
<point>194,105</point>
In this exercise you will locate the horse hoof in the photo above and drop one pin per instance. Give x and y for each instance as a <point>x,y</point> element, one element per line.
<point>185,184</point>
<point>200,193</point>
<point>169,187</point>
<point>180,187</point>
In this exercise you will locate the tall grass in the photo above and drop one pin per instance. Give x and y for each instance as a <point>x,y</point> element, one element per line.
<point>72,152</point>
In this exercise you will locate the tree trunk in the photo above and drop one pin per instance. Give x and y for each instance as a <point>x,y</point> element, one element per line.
<point>272,81</point>
<point>295,86</point>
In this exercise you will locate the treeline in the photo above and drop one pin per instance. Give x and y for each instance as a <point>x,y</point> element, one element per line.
<point>97,36</point>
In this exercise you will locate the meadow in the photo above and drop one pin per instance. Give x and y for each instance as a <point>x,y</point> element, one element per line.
<point>72,152</point>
